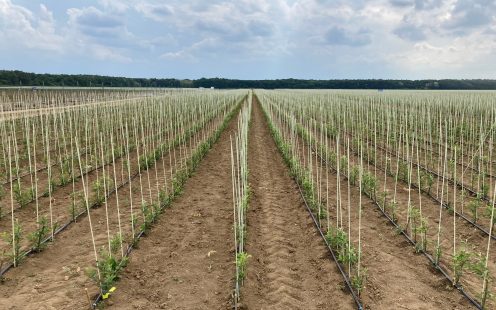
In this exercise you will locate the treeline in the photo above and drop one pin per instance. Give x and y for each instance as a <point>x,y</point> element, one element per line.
<point>19,78</point>
<point>348,84</point>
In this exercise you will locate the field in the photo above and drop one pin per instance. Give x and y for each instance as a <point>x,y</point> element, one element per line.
<point>247,199</point>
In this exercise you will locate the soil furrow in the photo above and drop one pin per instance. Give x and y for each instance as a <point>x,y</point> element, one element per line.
<point>187,262</point>
<point>289,268</point>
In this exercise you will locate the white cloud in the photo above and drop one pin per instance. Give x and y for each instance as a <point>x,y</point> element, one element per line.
<point>19,27</point>
<point>456,54</point>
<point>157,12</point>
<point>420,37</point>
<point>117,6</point>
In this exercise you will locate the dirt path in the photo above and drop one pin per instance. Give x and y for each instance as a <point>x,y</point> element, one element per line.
<point>187,262</point>
<point>290,267</point>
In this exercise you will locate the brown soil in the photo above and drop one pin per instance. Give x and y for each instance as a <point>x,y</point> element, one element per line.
<point>476,240</point>
<point>61,196</point>
<point>289,268</point>
<point>397,277</point>
<point>430,210</point>
<point>187,262</point>
<point>55,278</point>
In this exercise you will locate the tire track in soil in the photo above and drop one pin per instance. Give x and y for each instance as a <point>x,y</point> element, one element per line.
<point>172,268</point>
<point>290,267</point>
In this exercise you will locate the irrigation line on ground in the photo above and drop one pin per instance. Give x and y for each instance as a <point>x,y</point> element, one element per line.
<point>76,177</point>
<point>449,179</point>
<point>445,205</point>
<point>429,257</point>
<point>343,273</point>
<point>73,220</point>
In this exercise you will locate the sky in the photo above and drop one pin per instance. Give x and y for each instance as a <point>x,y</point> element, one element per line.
<point>251,39</point>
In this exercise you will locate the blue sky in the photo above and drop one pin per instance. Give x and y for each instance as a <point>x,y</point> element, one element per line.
<point>251,39</point>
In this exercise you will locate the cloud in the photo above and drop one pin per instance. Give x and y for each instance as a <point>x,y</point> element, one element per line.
<point>410,32</point>
<point>428,4</point>
<point>261,28</point>
<point>296,37</point>
<point>189,53</point>
<point>401,3</point>
<point>459,53</point>
<point>340,36</point>
<point>471,14</point>
<point>21,27</point>
<point>105,53</point>
<point>94,22</point>
<point>94,26</point>
<point>156,12</point>
<point>117,6</point>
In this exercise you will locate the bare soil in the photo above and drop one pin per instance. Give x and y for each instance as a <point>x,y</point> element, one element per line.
<point>397,277</point>
<point>289,268</point>
<point>430,210</point>
<point>55,278</point>
<point>187,261</point>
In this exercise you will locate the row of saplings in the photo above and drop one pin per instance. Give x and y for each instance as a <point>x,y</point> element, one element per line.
<point>101,188</point>
<point>109,265</point>
<point>463,259</point>
<point>480,201</point>
<point>66,173</point>
<point>347,255</point>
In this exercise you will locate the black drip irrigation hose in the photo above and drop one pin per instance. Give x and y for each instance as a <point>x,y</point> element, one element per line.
<point>461,215</point>
<point>83,152</point>
<point>25,175</point>
<point>66,225</point>
<point>445,205</point>
<point>61,186</point>
<point>356,299</point>
<point>465,165</point>
<point>37,170</point>
<point>429,257</point>
<point>449,179</point>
